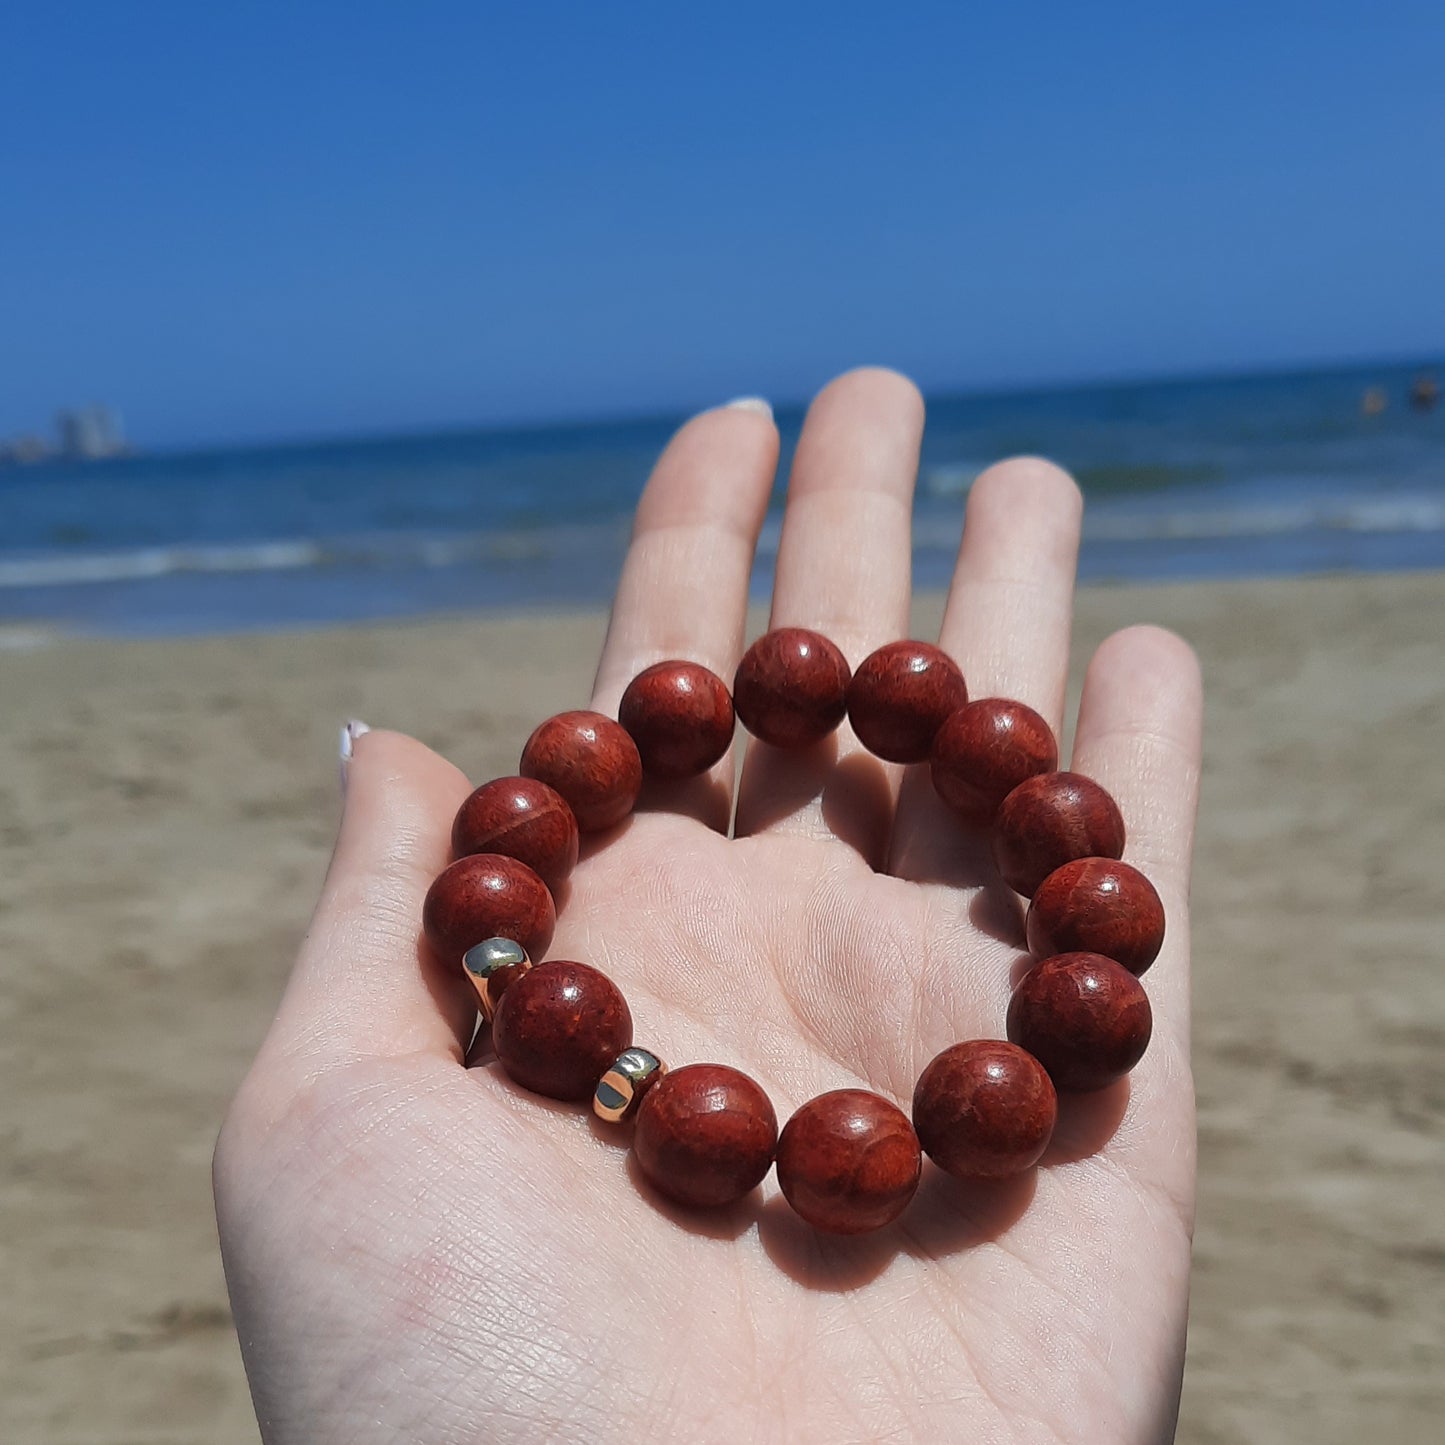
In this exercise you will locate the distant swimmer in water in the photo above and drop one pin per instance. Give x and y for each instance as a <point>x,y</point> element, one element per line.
<point>1374,401</point>
<point>1425,392</point>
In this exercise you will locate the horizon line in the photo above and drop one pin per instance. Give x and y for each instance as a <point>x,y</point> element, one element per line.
<point>792,406</point>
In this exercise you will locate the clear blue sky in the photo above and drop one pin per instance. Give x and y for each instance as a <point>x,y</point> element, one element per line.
<point>239,222</point>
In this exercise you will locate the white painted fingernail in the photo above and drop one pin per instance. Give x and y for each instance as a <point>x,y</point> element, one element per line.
<point>349,734</point>
<point>751,403</point>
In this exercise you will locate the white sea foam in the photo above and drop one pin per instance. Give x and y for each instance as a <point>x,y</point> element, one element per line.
<point>27,639</point>
<point>950,479</point>
<point>69,569</point>
<point>1409,514</point>
<point>1386,514</point>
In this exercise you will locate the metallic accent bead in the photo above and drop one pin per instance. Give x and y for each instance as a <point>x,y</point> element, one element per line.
<point>491,966</point>
<point>620,1089</point>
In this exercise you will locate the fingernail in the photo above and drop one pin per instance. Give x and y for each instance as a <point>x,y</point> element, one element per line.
<point>751,403</point>
<point>349,734</point>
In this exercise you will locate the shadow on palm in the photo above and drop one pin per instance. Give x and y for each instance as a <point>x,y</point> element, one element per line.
<point>793,960</point>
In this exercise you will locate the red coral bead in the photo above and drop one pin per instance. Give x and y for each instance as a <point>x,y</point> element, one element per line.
<point>985,750</point>
<point>1085,1018</point>
<point>524,819</point>
<point>848,1161</point>
<point>1050,820</point>
<point>705,1135</point>
<point>680,716</point>
<point>1097,905</point>
<point>899,698</point>
<point>591,761</point>
<point>559,1027</point>
<point>487,895</point>
<point>984,1109</point>
<point>791,688</point>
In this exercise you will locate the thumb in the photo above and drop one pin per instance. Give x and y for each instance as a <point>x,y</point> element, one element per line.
<point>365,984</point>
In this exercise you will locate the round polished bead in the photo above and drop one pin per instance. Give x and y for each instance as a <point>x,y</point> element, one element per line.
<point>791,688</point>
<point>1097,905</point>
<point>487,895</point>
<point>848,1161</point>
<point>559,1027</point>
<point>1050,820</point>
<point>680,716</point>
<point>705,1135</point>
<point>591,761</point>
<point>984,1109</point>
<point>493,965</point>
<point>899,698</point>
<point>526,820</point>
<point>985,750</point>
<point>623,1087</point>
<point>1085,1018</point>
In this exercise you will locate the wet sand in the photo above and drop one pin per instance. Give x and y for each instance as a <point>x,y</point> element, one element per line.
<point>166,812</point>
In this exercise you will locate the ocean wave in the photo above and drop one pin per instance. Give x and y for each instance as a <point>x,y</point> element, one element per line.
<point>1393,514</point>
<point>1404,514</point>
<point>66,569</point>
<point>1396,513</point>
<point>950,479</point>
<point>381,549</point>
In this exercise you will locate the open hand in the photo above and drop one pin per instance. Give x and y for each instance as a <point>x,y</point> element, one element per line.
<point>418,1250</point>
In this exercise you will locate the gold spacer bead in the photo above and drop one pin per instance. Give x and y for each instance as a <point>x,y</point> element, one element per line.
<point>492,965</point>
<point>620,1089</point>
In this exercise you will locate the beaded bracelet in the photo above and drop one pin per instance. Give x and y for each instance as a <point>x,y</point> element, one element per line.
<point>706,1134</point>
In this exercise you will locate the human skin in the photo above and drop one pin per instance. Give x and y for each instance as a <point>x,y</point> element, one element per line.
<point>419,1250</point>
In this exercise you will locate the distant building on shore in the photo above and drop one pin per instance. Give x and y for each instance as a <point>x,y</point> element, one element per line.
<point>22,450</point>
<point>85,433</point>
<point>90,432</point>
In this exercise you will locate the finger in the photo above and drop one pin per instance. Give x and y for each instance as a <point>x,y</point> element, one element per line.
<point>1139,734</point>
<point>1006,623</point>
<point>365,985</point>
<point>843,569</point>
<point>684,586</point>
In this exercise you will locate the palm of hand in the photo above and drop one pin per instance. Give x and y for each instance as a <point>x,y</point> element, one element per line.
<point>421,1250</point>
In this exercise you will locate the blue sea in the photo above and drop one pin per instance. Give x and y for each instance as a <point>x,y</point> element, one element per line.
<point>1242,476</point>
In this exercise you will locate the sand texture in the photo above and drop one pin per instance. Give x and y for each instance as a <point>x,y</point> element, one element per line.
<point>166,813</point>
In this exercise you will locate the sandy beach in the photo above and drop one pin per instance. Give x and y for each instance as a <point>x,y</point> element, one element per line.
<point>166,813</point>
